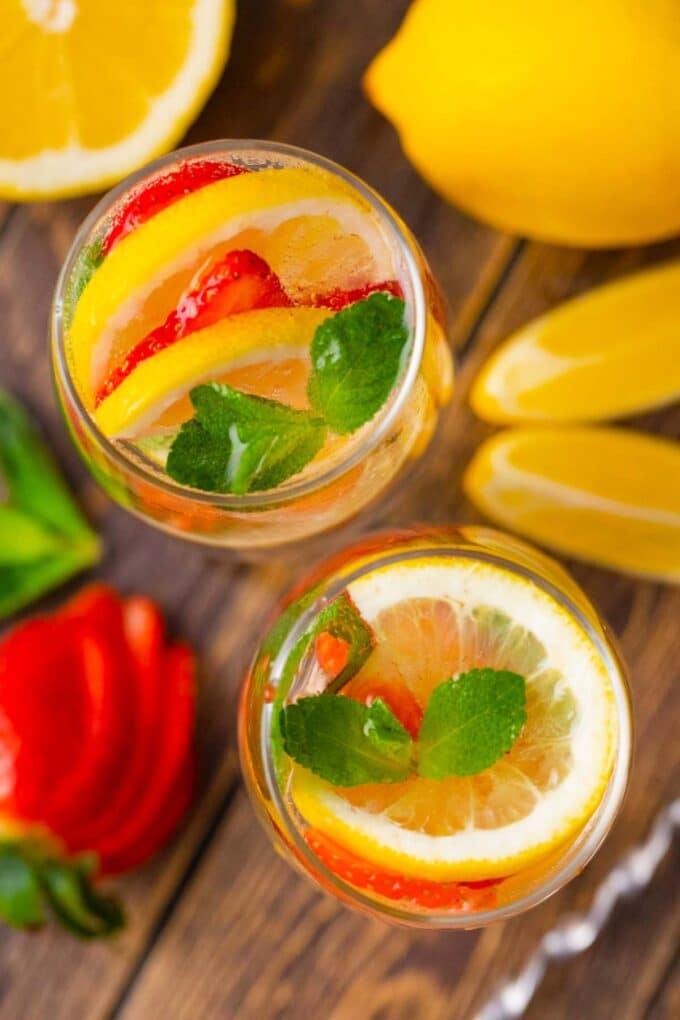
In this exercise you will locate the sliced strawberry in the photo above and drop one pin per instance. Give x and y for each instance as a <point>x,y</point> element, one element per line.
<point>169,756</point>
<point>168,817</point>
<point>337,299</point>
<point>416,891</point>
<point>107,741</point>
<point>162,192</point>
<point>332,653</point>
<point>238,282</point>
<point>398,699</point>
<point>46,708</point>
<point>144,634</point>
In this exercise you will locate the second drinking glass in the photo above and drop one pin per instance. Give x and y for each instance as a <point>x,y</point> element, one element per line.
<point>248,344</point>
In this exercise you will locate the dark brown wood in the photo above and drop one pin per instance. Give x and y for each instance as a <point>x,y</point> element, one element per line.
<point>219,926</point>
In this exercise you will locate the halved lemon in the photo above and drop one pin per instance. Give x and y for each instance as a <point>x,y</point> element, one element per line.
<point>90,90</point>
<point>171,244</point>
<point>158,382</point>
<point>534,799</point>
<point>612,352</point>
<point>605,495</point>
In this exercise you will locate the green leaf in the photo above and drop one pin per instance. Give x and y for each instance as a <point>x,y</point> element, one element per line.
<point>240,443</point>
<point>30,475</point>
<point>75,902</point>
<point>342,619</point>
<point>346,742</point>
<point>20,893</point>
<point>356,359</point>
<point>23,539</point>
<point>470,722</point>
<point>44,539</point>
<point>89,261</point>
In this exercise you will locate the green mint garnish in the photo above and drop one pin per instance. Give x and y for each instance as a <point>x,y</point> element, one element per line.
<point>345,742</point>
<point>44,539</point>
<point>340,618</point>
<point>240,443</point>
<point>87,264</point>
<point>470,722</point>
<point>356,358</point>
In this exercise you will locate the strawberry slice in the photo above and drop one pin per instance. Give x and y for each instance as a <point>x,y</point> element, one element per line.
<point>144,634</point>
<point>107,742</point>
<point>49,697</point>
<point>168,759</point>
<point>337,299</point>
<point>332,653</point>
<point>168,816</point>
<point>141,205</point>
<point>419,892</point>
<point>238,282</point>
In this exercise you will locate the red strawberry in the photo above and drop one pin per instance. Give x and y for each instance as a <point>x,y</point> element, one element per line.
<point>398,698</point>
<point>96,751</point>
<point>144,636</point>
<point>337,299</point>
<point>419,892</point>
<point>141,205</point>
<point>169,755</point>
<point>332,653</point>
<point>238,282</point>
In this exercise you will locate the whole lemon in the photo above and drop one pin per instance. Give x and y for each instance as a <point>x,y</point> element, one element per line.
<point>556,120</point>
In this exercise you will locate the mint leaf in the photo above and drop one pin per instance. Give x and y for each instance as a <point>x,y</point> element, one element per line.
<point>470,722</point>
<point>356,358</point>
<point>88,262</point>
<point>240,443</point>
<point>44,539</point>
<point>342,619</point>
<point>345,742</point>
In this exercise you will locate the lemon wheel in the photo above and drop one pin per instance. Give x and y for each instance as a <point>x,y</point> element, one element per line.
<point>541,793</point>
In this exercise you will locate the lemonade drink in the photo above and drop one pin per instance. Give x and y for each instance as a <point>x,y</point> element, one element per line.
<point>436,727</point>
<point>248,344</point>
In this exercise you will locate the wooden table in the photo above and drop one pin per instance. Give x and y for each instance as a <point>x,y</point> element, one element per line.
<point>219,926</point>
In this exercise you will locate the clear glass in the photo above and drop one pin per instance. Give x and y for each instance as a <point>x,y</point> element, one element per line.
<point>266,779</point>
<point>305,505</point>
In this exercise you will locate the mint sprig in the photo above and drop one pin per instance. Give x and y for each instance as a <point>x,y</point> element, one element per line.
<point>241,443</point>
<point>44,538</point>
<point>470,722</point>
<point>31,879</point>
<point>356,359</point>
<point>238,443</point>
<point>346,742</point>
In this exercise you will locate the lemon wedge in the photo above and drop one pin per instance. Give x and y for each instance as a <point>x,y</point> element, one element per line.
<point>605,495</point>
<point>613,352</point>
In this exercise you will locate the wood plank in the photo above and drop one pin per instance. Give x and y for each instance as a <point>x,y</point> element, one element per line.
<point>295,77</point>
<point>250,939</point>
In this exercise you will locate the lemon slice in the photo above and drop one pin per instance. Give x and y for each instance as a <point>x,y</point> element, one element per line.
<point>608,496</point>
<point>91,90</point>
<point>180,236</point>
<point>537,796</point>
<point>157,382</point>
<point>612,352</point>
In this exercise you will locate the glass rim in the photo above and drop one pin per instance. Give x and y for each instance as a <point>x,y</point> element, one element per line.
<point>249,501</point>
<point>585,844</point>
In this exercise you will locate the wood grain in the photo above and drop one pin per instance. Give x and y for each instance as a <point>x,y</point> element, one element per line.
<point>219,926</point>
